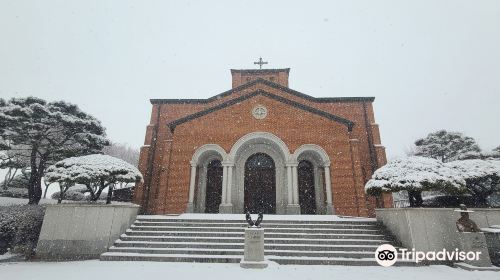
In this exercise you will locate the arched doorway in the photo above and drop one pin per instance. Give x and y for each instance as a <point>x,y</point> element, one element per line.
<point>260,184</point>
<point>214,187</point>
<point>307,197</point>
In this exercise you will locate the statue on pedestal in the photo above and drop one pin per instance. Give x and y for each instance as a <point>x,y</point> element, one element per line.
<point>465,224</point>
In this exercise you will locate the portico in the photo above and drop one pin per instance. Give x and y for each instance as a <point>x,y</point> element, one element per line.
<point>236,183</point>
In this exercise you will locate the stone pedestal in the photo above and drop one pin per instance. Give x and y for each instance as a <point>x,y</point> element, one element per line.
<point>330,210</point>
<point>254,248</point>
<point>474,242</point>
<point>226,208</point>
<point>190,208</point>
<point>293,209</point>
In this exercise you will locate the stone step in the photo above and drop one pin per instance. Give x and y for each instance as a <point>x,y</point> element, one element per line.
<point>267,252</point>
<point>284,260</point>
<point>280,230</point>
<point>264,225</point>
<point>272,246</point>
<point>119,256</point>
<point>288,238</point>
<point>266,221</point>
<point>167,234</point>
<point>220,238</point>
<point>241,240</point>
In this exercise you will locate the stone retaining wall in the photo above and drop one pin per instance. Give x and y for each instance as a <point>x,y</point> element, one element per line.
<point>431,229</point>
<point>76,231</point>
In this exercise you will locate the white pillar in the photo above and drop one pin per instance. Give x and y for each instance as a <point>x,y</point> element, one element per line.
<point>224,184</point>
<point>227,180</point>
<point>229,183</point>
<point>190,206</point>
<point>289,184</point>
<point>295,185</point>
<point>293,207</point>
<point>328,186</point>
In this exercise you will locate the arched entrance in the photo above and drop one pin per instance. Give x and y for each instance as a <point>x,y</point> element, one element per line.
<point>306,182</point>
<point>214,187</point>
<point>260,184</point>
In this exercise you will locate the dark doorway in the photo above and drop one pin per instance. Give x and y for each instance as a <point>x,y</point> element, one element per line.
<point>307,198</point>
<point>214,187</point>
<point>260,184</point>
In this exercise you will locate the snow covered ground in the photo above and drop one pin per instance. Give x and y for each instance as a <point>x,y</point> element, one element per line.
<point>7,201</point>
<point>159,270</point>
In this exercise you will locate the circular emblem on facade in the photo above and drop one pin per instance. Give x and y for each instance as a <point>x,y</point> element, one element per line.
<point>259,112</point>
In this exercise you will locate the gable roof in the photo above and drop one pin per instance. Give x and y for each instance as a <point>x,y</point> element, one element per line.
<point>267,83</point>
<point>349,124</point>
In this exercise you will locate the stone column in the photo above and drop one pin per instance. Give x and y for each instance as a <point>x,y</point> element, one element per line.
<point>190,205</point>
<point>295,185</point>
<point>293,207</point>
<point>289,184</point>
<point>227,177</point>
<point>229,183</point>
<point>328,186</point>
<point>224,184</point>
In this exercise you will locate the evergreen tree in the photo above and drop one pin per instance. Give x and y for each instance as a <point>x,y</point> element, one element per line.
<point>48,132</point>
<point>447,146</point>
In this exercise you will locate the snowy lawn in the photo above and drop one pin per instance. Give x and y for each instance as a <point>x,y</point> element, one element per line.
<point>7,201</point>
<point>152,270</point>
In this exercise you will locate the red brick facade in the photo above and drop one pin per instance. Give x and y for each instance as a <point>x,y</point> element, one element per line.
<point>344,128</point>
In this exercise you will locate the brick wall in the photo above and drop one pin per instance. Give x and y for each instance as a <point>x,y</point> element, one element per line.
<point>352,163</point>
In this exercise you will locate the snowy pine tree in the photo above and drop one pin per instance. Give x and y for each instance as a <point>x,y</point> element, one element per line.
<point>96,172</point>
<point>447,146</point>
<point>482,177</point>
<point>415,174</point>
<point>48,132</point>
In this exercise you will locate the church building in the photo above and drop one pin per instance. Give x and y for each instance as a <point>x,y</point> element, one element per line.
<point>261,147</point>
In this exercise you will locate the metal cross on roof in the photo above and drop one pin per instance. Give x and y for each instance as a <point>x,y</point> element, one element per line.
<point>260,62</point>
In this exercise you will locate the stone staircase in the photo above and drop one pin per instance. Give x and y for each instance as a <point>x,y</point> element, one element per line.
<point>308,240</point>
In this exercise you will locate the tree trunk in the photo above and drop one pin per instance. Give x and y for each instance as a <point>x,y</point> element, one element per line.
<point>33,175</point>
<point>45,191</point>
<point>415,198</point>
<point>37,195</point>
<point>110,194</point>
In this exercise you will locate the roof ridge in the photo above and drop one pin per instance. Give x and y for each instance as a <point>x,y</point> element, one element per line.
<point>346,122</point>
<point>268,83</point>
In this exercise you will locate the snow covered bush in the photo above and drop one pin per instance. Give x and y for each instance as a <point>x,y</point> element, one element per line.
<point>415,174</point>
<point>69,195</point>
<point>17,187</point>
<point>20,227</point>
<point>96,172</point>
<point>20,181</point>
<point>47,132</point>
<point>481,176</point>
<point>14,192</point>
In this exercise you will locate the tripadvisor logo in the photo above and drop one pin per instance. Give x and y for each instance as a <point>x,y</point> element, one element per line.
<point>386,255</point>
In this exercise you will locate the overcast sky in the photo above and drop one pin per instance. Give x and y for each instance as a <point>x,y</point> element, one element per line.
<point>430,64</point>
